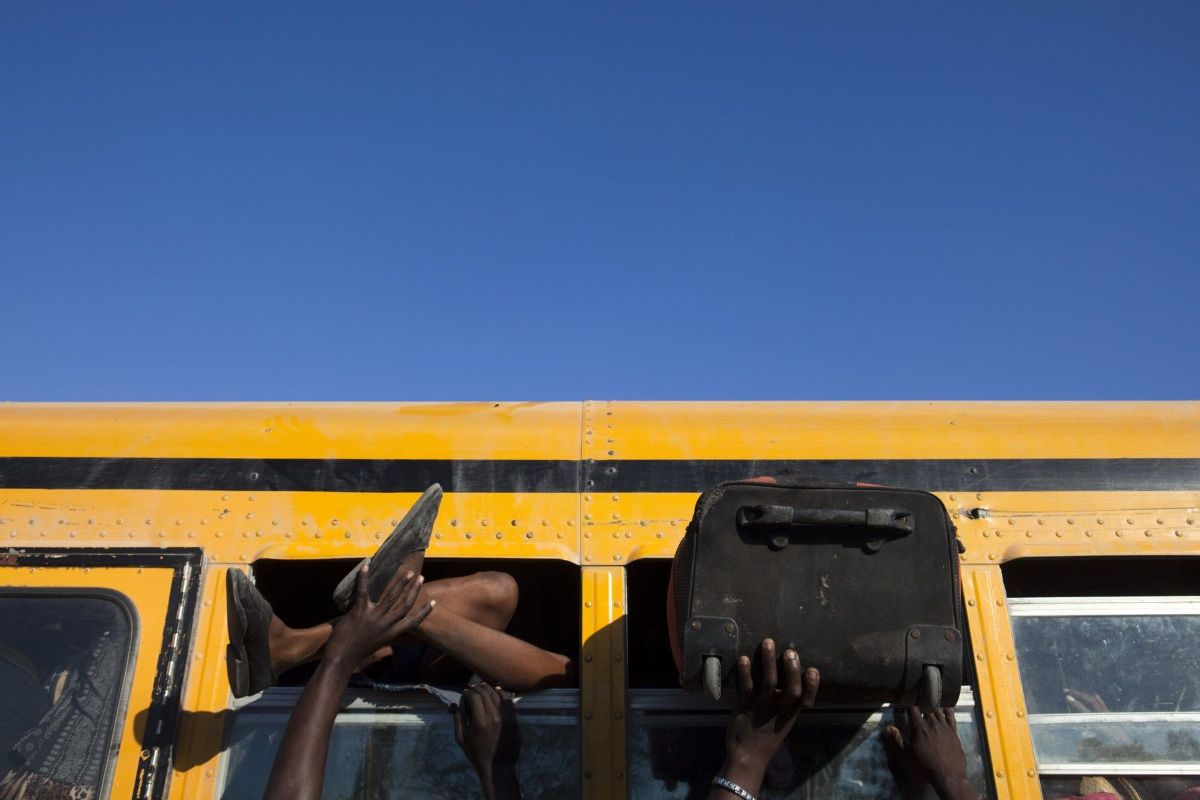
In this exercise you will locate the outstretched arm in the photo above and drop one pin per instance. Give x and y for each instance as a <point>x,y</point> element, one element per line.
<point>299,770</point>
<point>762,718</point>
<point>485,727</point>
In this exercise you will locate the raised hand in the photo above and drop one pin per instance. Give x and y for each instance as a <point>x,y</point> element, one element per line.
<point>764,714</point>
<point>930,752</point>
<point>299,769</point>
<point>370,626</point>
<point>485,727</point>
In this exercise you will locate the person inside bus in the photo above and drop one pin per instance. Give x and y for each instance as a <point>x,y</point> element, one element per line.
<point>764,712</point>
<point>299,769</point>
<point>484,720</point>
<point>925,749</point>
<point>485,727</point>
<point>766,709</point>
<point>62,755</point>
<point>464,635</point>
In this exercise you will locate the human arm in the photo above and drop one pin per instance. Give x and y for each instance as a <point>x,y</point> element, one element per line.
<point>763,716</point>
<point>930,752</point>
<point>485,727</point>
<point>299,769</point>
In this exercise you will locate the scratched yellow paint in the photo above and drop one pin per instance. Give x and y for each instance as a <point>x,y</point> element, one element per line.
<point>241,527</point>
<point>600,531</point>
<point>206,697</point>
<point>999,697</point>
<point>894,430</point>
<point>602,683</point>
<point>293,430</point>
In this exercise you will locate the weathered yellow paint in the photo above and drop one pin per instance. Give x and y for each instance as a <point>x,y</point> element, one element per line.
<point>205,697</point>
<point>602,683</point>
<point>240,527</point>
<point>601,531</point>
<point>999,697</point>
<point>293,430</point>
<point>894,430</point>
<point>623,528</point>
<point>148,590</point>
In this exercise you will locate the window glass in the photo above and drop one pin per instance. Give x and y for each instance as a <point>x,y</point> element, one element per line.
<point>677,743</point>
<point>63,664</point>
<point>402,745</point>
<point>1112,686</point>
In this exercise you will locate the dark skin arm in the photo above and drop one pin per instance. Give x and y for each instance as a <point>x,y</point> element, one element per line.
<point>763,716</point>
<point>299,770</point>
<point>485,727</point>
<point>930,753</point>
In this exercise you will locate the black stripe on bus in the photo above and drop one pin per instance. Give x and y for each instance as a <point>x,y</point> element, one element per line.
<point>513,476</point>
<point>290,474</point>
<point>950,475</point>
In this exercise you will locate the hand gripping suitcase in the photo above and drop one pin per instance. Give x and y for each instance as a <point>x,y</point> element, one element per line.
<point>861,581</point>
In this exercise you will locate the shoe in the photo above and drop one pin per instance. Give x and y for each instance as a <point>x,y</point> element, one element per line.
<point>411,536</point>
<point>248,658</point>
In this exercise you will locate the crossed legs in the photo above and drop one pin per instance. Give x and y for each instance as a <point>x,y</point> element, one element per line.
<point>464,634</point>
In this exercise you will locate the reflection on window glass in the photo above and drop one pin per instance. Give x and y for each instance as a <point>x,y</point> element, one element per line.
<point>62,668</point>
<point>1088,664</point>
<point>402,745</point>
<point>1113,691</point>
<point>677,743</point>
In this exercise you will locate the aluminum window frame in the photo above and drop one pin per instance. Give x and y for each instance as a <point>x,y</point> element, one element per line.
<point>1108,606</point>
<point>379,707</point>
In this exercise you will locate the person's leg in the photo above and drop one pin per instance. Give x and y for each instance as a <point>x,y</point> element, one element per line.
<point>291,647</point>
<point>487,598</point>
<point>493,655</point>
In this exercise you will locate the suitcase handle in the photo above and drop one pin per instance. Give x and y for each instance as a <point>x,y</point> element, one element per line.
<point>895,522</point>
<point>890,518</point>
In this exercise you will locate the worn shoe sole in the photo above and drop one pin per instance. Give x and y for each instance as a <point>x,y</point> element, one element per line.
<point>248,656</point>
<point>411,535</point>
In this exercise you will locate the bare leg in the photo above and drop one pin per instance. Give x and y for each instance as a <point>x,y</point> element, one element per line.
<point>494,655</point>
<point>291,647</point>
<point>487,598</point>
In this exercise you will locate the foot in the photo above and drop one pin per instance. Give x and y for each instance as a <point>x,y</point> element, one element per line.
<point>249,616</point>
<point>403,549</point>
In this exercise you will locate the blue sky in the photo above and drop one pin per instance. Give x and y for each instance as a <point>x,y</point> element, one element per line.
<point>647,201</point>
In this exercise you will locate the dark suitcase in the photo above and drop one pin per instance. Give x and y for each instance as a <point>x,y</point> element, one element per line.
<point>861,581</point>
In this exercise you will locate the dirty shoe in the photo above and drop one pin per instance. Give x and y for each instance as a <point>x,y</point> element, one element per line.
<point>411,536</point>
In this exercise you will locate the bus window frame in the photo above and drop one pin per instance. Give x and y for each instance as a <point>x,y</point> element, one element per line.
<point>128,662</point>
<point>1109,606</point>
<point>360,706</point>
<point>86,571</point>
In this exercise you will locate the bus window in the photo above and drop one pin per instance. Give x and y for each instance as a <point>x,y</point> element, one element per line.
<point>399,741</point>
<point>63,668</point>
<point>677,739</point>
<point>677,742</point>
<point>547,613</point>
<point>402,745</point>
<point>1112,688</point>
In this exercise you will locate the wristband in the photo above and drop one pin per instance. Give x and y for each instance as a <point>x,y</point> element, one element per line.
<point>730,786</point>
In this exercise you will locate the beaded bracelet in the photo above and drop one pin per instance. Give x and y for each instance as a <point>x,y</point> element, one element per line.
<point>730,786</point>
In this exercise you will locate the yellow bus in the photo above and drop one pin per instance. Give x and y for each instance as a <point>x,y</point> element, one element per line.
<point>1080,525</point>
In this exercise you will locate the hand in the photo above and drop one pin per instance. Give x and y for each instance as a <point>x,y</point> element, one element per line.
<point>763,718</point>
<point>369,626</point>
<point>1084,702</point>
<point>764,715</point>
<point>931,752</point>
<point>485,727</point>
